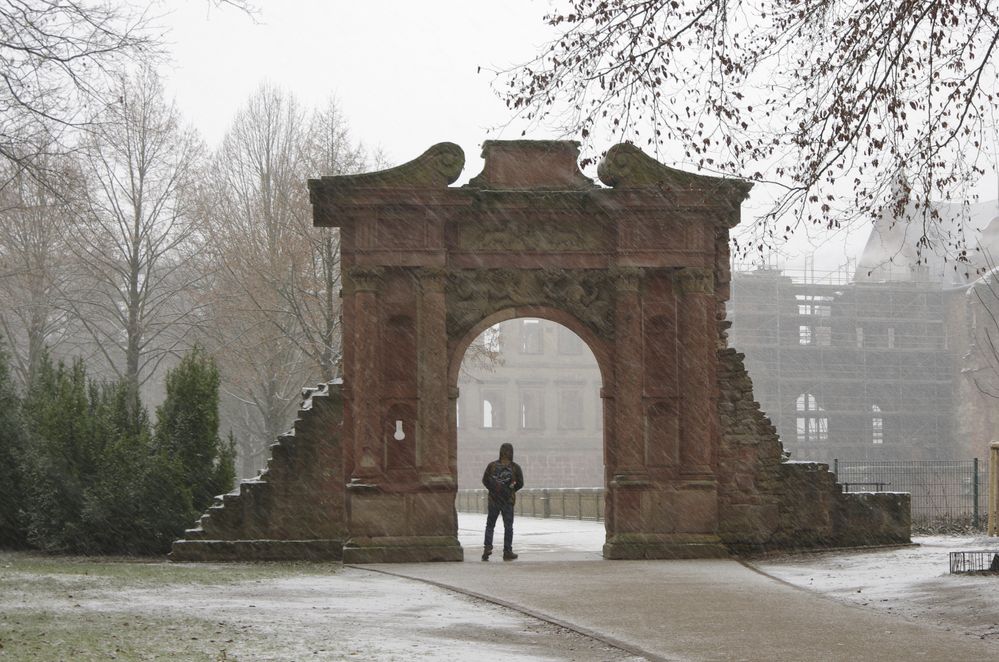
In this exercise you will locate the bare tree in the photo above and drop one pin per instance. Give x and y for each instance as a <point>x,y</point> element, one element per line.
<point>829,101</point>
<point>314,298</point>
<point>35,263</point>
<point>57,58</point>
<point>133,236</point>
<point>60,61</point>
<point>276,279</point>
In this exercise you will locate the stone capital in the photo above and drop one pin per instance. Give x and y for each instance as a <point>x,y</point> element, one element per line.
<point>432,279</point>
<point>628,279</point>
<point>694,280</point>
<point>365,279</point>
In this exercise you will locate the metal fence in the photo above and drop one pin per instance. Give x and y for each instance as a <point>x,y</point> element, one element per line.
<point>941,490</point>
<point>564,503</point>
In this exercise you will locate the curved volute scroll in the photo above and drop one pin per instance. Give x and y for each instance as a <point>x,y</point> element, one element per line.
<point>627,167</point>
<point>437,167</point>
<point>432,171</point>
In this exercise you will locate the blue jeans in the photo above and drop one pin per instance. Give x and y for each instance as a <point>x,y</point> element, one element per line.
<point>495,510</point>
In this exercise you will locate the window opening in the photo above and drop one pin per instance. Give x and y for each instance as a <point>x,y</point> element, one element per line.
<point>811,423</point>
<point>531,340</point>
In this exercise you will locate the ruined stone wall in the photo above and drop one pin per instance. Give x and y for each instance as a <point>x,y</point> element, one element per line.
<point>814,512</point>
<point>748,460</point>
<point>766,503</point>
<point>295,509</point>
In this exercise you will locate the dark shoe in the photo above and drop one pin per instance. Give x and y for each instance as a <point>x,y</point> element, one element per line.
<point>486,551</point>
<point>509,556</point>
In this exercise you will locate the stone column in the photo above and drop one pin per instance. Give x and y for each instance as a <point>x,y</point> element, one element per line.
<point>628,460</point>
<point>697,373</point>
<point>431,379</point>
<point>366,374</point>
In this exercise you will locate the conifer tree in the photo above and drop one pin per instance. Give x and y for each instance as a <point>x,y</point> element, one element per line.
<point>60,457</point>
<point>95,482</point>
<point>187,428</point>
<point>137,502</point>
<point>13,531</point>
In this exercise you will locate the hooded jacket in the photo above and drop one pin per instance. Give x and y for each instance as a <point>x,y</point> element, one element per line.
<point>503,477</point>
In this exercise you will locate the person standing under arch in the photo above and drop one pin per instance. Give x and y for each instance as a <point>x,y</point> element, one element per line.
<point>502,477</point>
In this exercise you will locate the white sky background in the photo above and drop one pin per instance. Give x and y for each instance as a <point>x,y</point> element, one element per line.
<point>404,73</point>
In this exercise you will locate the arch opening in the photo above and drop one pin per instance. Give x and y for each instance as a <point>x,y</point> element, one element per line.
<point>533,382</point>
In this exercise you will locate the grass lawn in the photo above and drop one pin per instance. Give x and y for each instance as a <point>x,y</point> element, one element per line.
<point>70,608</point>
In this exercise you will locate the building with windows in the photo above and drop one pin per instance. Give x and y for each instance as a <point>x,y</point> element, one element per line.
<point>851,370</point>
<point>535,384</point>
<point>893,359</point>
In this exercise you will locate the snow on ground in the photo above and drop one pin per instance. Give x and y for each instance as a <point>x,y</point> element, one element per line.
<point>911,582</point>
<point>536,539</point>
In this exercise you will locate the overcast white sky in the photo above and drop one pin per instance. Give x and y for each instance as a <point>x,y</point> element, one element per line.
<point>405,73</point>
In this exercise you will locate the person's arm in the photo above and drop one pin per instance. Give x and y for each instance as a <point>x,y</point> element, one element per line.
<point>487,477</point>
<point>518,477</point>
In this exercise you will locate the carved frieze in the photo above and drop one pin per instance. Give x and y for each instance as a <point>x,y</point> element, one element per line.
<point>517,232</point>
<point>475,294</point>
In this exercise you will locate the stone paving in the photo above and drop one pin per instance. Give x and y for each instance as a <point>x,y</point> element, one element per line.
<point>680,610</point>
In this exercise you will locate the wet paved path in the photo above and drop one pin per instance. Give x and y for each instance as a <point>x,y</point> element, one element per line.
<point>680,610</point>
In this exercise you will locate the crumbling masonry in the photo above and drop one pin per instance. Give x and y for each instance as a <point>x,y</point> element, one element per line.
<point>638,269</point>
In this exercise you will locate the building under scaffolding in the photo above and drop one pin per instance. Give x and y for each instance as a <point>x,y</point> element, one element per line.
<point>846,369</point>
<point>882,360</point>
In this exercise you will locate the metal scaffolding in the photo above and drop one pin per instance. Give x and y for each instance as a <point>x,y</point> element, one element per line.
<point>849,369</point>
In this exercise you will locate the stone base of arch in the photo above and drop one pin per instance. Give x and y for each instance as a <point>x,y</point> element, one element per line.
<point>413,526</point>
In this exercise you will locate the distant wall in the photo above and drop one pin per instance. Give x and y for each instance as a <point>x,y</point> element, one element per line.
<point>814,512</point>
<point>568,503</point>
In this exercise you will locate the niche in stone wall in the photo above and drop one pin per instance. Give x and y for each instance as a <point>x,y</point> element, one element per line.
<point>399,436</point>
<point>660,356</point>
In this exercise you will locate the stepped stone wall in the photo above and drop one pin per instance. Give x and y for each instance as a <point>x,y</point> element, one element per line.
<point>295,509</point>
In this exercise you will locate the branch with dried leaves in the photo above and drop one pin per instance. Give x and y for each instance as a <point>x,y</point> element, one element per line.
<point>830,102</point>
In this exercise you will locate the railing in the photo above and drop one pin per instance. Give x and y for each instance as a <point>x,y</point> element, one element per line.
<point>941,490</point>
<point>585,503</point>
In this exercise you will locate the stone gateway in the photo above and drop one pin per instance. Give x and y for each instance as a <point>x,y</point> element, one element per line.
<point>638,268</point>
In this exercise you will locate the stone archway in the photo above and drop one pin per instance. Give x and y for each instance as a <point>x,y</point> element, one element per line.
<point>532,232</point>
<point>639,268</point>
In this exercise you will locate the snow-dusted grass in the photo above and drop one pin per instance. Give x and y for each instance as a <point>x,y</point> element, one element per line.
<point>58,608</point>
<point>911,582</point>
